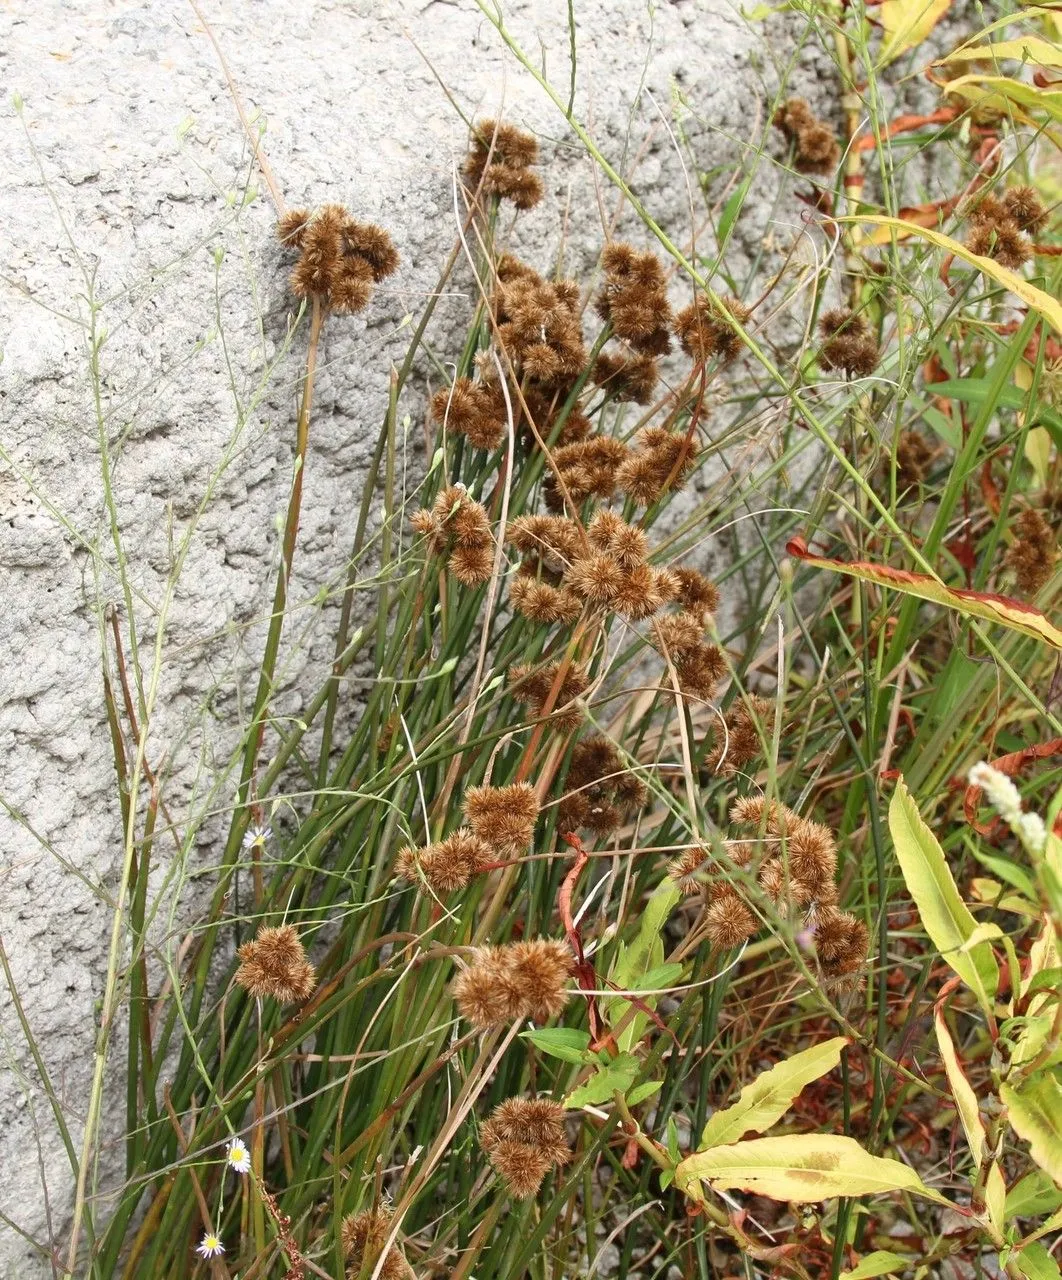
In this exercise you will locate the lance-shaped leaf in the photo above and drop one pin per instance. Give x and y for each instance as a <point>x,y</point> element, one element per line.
<point>972,1125</point>
<point>906,23</point>
<point>972,604</point>
<point>764,1101</point>
<point>1050,308</point>
<point>945,916</point>
<point>1035,1114</point>
<point>1036,1263</point>
<point>1023,48</point>
<point>881,1262</point>
<point>802,1168</point>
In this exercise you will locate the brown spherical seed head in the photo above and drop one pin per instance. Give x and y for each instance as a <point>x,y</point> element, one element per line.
<point>520,1167</point>
<point>537,1122</point>
<point>1001,241</point>
<point>728,921</point>
<point>290,227</point>
<point>1024,206</point>
<point>502,817</point>
<point>840,942</point>
<point>1034,552</point>
<point>275,965</point>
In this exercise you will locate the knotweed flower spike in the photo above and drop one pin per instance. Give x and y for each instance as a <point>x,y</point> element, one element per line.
<point>275,965</point>
<point>525,1138</point>
<point>210,1246</point>
<point>237,1157</point>
<point>1005,798</point>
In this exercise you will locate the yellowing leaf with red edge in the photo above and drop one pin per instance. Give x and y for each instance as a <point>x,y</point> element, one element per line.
<point>907,23</point>
<point>1050,308</point>
<point>1003,610</point>
<point>803,1168</point>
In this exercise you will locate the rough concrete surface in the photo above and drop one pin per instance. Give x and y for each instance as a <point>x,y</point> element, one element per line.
<point>146,398</point>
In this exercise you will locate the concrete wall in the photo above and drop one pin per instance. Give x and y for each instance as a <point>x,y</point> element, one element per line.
<point>147,400</point>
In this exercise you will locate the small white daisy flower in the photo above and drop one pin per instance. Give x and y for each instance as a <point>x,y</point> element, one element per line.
<point>255,836</point>
<point>210,1246</point>
<point>238,1157</point>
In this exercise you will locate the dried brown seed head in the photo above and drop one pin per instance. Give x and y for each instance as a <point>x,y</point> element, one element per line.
<point>291,226</point>
<point>1024,206</point>
<point>686,870</point>
<point>728,921</point>
<point>516,981</point>
<point>705,329</point>
<point>840,942</point>
<point>1032,555</point>
<point>696,592</point>
<point>532,686</point>
<point>502,817</point>
<point>850,345</point>
<point>660,463</point>
<point>275,964</point>
<point>363,1236</point>
<point>1001,240</point>
<point>451,864</point>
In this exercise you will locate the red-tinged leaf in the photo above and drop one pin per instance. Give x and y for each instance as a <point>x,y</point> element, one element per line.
<point>1002,610</point>
<point>1012,763</point>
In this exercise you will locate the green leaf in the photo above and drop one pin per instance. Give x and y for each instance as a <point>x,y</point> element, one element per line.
<point>618,1076</point>
<point>644,1090</point>
<point>1008,872</point>
<point>764,1101</point>
<point>641,965</point>
<point>802,1168</point>
<point>1046,980</point>
<point>1033,1195</point>
<point>567,1043</point>
<point>879,1263</point>
<point>945,916</point>
<point>1036,1115</point>
<point>1035,1262</point>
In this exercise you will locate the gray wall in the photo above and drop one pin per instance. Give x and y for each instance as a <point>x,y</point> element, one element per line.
<point>122,205</point>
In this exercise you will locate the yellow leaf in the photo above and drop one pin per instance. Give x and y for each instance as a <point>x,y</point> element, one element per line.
<point>972,1125</point>
<point>1050,308</point>
<point>1035,1114</point>
<point>945,916</point>
<point>1025,48</point>
<point>974,604</point>
<point>802,1168</point>
<point>771,1094</point>
<point>1038,453</point>
<point>907,23</point>
<point>1002,91</point>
